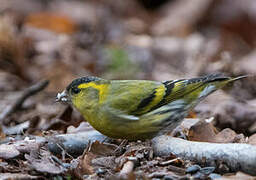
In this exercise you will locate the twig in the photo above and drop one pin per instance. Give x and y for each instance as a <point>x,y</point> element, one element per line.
<point>127,169</point>
<point>121,145</point>
<point>25,94</point>
<point>64,152</point>
<point>238,157</point>
<point>166,163</point>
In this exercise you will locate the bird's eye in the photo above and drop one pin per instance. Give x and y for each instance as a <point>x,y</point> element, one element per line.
<point>75,90</point>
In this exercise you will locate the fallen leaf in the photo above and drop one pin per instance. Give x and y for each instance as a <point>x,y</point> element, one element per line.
<point>103,149</point>
<point>85,164</point>
<point>95,156</point>
<point>202,131</point>
<point>205,132</point>
<point>51,21</point>
<point>252,139</point>
<point>106,162</point>
<point>44,164</point>
<point>225,136</point>
<point>27,145</point>
<point>8,151</point>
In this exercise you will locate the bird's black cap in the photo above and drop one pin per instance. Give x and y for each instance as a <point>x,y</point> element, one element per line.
<point>81,80</point>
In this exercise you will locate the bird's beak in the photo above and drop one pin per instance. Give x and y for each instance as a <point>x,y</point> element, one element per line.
<point>62,97</point>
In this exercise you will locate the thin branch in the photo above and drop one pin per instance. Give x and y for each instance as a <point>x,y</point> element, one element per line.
<point>127,169</point>
<point>238,157</point>
<point>25,95</point>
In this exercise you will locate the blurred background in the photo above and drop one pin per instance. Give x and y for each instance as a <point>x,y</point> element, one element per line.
<point>60,40</point>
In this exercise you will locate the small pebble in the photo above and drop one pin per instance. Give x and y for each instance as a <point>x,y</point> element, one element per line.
<point>207,170</point>
<point>199,175</point>
<point>100,171</point>
<point>66,165</point>
<point>193,169</point>
<point>214,176</point>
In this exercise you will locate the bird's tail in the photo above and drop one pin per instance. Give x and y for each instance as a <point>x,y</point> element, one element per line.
<point>239,77</point>
<point>186,94</point>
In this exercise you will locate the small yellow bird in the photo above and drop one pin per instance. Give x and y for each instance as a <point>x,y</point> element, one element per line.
<point>138,109</point>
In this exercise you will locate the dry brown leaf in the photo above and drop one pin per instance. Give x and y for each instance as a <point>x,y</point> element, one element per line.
<point>106,162</point>
<point>85,164</point>
<point>50,21</point>
<point>96,156</point>
<point>205,132</point>
<point>44,163</point>
<point>228,136</point>
<point>252,139</point>
<point>202,131</point>
<point>103,149</point>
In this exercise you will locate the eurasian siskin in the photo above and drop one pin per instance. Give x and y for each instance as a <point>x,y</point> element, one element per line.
<point>138,109</point>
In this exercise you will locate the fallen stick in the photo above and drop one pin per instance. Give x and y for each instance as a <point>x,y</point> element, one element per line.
<point>74,144</point>
<point>25,94</point>
<point>127,169</point>
<point>238,157</point>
